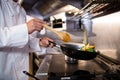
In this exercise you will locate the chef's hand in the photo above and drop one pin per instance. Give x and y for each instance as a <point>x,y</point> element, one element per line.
<point>35,25</point>
<point>46,42</point>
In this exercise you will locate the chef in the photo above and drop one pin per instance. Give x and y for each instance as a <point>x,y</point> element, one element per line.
<point>15,43</point>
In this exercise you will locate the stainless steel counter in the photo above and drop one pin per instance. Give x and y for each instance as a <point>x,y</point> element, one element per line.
<point>56,63</point>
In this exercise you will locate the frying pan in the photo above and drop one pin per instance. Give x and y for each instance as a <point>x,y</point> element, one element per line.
<point>73,51</point>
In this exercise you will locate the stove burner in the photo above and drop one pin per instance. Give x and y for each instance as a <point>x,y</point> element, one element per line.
<point>82,74</point>
<point>85,75</point>
<point>77,75</point>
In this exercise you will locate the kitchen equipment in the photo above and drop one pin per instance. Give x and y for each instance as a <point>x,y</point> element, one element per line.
<point>77,75</point>
<point>71,60</point>
<point>57,23</point>
<point>28,74</point>
<point>85,75</point>
<point>58,69</point>
<point>63,35</point>
<point>73,50</point>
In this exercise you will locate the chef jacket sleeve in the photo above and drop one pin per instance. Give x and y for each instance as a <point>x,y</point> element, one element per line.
<point>16,36</point>
<point>34,40</point>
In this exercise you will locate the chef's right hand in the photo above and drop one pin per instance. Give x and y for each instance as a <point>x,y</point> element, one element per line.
<point>35,25</point>
<point>46,42</point>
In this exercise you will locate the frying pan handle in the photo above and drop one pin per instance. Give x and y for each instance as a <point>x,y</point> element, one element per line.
<point>54,44</point>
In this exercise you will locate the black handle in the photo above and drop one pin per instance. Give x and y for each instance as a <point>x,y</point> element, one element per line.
<point>30,75</point>
<point>54,44</point>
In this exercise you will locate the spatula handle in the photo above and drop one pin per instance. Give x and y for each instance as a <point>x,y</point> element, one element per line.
<point>49,28</point>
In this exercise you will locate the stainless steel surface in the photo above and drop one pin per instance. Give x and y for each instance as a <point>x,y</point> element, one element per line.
<point>47,8</point>
<point>108,63</point>
<point>71,60</point>
<point>107,37</point>
<point>57,64</point>
<point>44,66</point>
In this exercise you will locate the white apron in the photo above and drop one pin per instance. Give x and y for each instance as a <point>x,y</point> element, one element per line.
<point>14,47</point>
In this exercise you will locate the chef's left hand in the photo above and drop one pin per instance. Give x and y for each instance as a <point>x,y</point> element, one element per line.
<point>46,42</point>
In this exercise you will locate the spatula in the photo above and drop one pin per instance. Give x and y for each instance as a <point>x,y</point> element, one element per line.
<point>64,36</point>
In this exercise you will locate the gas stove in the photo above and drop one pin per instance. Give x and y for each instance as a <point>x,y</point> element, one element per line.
<point>55,67</point>
<point>85,75</point>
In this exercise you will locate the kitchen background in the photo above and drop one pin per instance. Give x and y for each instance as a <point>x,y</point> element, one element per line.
<point>105,29</point>
<point>105,35</point>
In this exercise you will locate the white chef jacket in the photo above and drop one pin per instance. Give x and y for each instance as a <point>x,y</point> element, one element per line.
<point>14,42</point>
